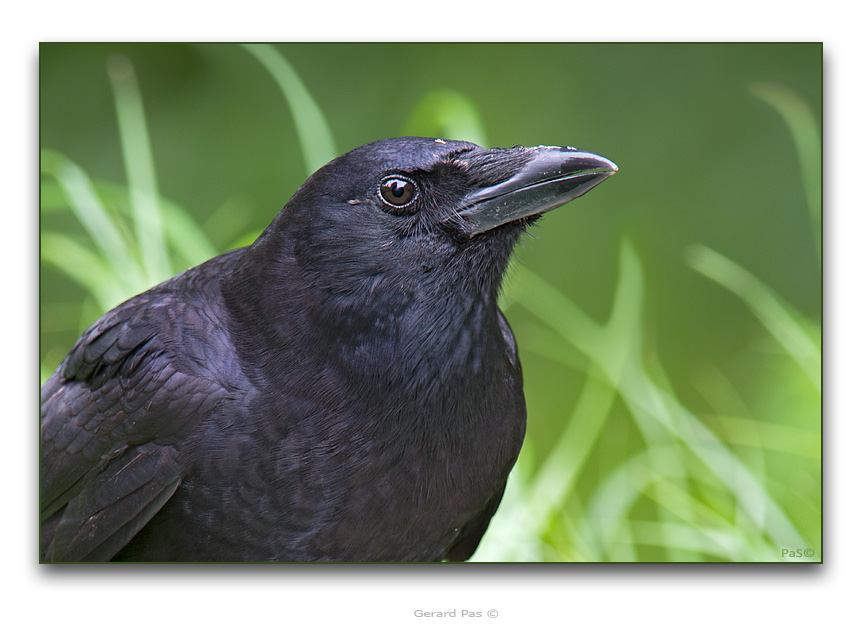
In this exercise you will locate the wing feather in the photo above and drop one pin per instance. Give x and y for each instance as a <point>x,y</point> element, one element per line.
<point>115,416</point>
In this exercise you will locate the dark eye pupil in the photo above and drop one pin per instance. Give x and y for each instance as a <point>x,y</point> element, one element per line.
<point>397,191</point>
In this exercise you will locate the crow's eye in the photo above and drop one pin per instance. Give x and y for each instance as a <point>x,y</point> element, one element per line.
<point>397,191</point>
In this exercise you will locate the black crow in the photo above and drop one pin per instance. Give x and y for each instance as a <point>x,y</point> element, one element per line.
<point>343,389</point>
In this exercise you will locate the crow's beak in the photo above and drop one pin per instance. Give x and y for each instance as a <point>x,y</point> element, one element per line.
<point>551,178</point>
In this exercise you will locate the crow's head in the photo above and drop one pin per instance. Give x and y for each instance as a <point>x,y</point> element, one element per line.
<point>414,207</point>
<point>414,186</point>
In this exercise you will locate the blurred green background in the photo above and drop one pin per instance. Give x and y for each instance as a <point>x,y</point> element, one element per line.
<point>669,322</point>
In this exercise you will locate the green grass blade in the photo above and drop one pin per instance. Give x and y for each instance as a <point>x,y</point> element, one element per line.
<point>803,128</point>
<point>140,170</point>
<point>85,204</point>
<point>767,436</point>
<point>188,244</point>
<point>608,508</point>
<point>557,476</point>
<point>775,316</point>
<point>315,138</point>
<point>549,305</point>
<point>84,267</point>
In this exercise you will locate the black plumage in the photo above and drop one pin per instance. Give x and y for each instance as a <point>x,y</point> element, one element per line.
<point>344,389</point>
